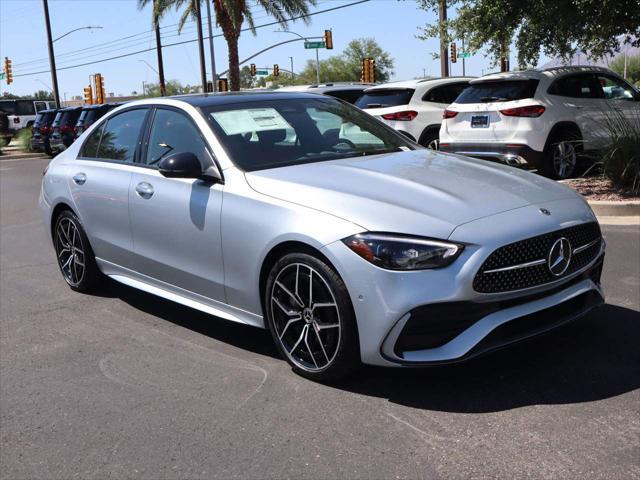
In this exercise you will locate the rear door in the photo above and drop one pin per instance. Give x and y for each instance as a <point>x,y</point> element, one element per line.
<point>99,182</point>
<point>176,222</point>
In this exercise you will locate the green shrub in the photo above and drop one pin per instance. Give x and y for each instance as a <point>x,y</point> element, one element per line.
<point>620,148</point>
<point>3,143</point>
<point>24,139</point>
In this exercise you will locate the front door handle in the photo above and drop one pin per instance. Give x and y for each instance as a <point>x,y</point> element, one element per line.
<point>79,178</point>
<point>144,190</point>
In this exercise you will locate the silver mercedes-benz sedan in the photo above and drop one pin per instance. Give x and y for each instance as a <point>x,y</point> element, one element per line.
<point>303,215</point>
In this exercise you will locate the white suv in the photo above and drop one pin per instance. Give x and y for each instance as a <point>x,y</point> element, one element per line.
<point>546,118</point>
<point>413,107</point>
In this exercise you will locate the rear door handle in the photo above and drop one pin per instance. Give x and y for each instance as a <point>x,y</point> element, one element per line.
<point>144,190</point>
<point>79,178</point>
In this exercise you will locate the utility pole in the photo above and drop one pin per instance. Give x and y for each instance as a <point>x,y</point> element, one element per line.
<point>292,75</point>
<point>444,53</point>
<point>213,57</point>
<point>163,87</point>
<point>203,72</point>
<point>52,59</point>
<point>317,67</point>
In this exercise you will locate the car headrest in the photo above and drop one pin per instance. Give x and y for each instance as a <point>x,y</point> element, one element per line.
<point>269,137</point>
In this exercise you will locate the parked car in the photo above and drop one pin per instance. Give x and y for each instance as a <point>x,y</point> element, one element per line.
<point>41,131</point>
<point>546,118</point>
<point>348,248</point>
<point>349,92</point>
<point>413,107</point>
<point>91,113</point>
<point>22,113</point>
<point>63,128</point>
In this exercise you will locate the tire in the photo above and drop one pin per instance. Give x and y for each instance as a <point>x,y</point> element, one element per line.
<point>430,139</point>
<point>76,259</point>
<point>317,336</point>
<point>561,155</point>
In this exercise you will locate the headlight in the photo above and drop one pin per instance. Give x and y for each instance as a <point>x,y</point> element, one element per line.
<point>398,252</point>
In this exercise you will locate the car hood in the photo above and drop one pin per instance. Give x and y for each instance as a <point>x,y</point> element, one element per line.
<point>418,192</point>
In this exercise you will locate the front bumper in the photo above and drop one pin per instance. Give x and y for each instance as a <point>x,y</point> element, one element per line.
<point>384,300</point>
<point>510,154</point>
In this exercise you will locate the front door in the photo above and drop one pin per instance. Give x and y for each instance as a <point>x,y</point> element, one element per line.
<point>176,222</point>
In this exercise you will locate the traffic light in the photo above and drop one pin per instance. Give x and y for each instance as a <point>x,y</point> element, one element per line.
<point>276,70</point>
<point>368,70</point>
<point>454,52</point>
<point>88,95</point>
<point>222,84</point>
<point>253,69</point>
<point>99,82</point>
<point>209,86</point>
<point>372,72</point>
<point>7,70</point>
<point>328,40</point>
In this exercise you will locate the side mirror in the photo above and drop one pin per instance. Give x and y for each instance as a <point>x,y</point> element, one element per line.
<point>186,165</point>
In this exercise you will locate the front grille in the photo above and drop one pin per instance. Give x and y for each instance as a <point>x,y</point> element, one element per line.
<point>533,250</point>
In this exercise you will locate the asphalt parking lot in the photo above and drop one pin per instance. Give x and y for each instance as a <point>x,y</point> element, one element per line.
<point>127,385</point>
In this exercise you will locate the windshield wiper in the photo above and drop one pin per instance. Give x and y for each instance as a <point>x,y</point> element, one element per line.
<point>493,99</point>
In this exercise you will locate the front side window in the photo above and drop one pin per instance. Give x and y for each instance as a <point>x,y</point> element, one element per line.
<point>119,137</point>
<point>614,89</point>
<point>172,132</point>
<point>268,134</point>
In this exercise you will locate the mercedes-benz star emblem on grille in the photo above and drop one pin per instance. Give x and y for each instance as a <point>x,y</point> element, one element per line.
<point>559,256</point>
<point>544,211</point>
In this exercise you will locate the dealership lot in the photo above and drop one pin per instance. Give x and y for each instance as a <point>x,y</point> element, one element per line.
<point>127,385</point>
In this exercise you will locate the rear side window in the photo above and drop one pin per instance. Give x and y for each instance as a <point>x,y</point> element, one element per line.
<point>576,86</point>
<point>444,94</point>
<point>498,91</point>
<point>116,140</point>
<point>25,108</point>
<point>389,97</point>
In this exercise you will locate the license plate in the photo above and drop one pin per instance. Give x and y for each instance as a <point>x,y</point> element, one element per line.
<point>480,121</point>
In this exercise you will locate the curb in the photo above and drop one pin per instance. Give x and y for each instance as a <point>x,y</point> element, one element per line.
<point>18,156</point>
<point>611,208</point>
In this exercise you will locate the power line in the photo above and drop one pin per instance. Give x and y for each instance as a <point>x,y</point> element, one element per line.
<point>191,41</point>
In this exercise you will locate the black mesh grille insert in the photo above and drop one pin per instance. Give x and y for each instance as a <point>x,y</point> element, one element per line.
<point>530,250</point>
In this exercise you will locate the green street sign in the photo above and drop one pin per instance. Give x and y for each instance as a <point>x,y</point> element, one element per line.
<point>262,72</point>
<point>315,45</point>
<point>2,75</point>
<point>464,55</point>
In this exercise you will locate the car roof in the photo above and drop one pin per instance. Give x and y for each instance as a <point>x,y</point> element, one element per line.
<point>69,109</point>
<point>227,98</point>
<point>416,83</point>
<point>326,87</point>
<point>537,74</point>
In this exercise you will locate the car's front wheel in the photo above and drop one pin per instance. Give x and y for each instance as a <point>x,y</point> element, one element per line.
<point>311,319</point>
<point>75,257</point>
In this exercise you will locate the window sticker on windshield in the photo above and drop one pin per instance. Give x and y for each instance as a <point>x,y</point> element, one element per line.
<point>253,120</point>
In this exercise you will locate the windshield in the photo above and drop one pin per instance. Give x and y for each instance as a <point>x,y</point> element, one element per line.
<point>389,97</point>
<point>498,91</point>
<point>268,134</point>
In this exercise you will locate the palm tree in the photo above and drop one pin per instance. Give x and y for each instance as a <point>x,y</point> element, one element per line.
<point>230,15</point>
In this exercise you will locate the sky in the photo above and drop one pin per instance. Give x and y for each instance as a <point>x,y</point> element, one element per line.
<point>393,23</point>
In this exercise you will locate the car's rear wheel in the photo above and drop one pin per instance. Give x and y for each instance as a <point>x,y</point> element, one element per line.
<point>311,319</point>
<point>75,257</point>
<point>430,139</point>
<point>561,156</point>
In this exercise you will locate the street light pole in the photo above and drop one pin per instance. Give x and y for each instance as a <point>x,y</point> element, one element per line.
<point>203,72</point>
<point>292,75</point>
<point>52,59</point>
<point>444,54</point>
<point>211,54</point>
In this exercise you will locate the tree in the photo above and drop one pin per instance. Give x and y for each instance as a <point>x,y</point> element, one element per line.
<point>42,95</point>
<point>174,87</point>
<point>633,67</point>
<point>557,27</point>
<point>347,67</point>
<point>230,16</point>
